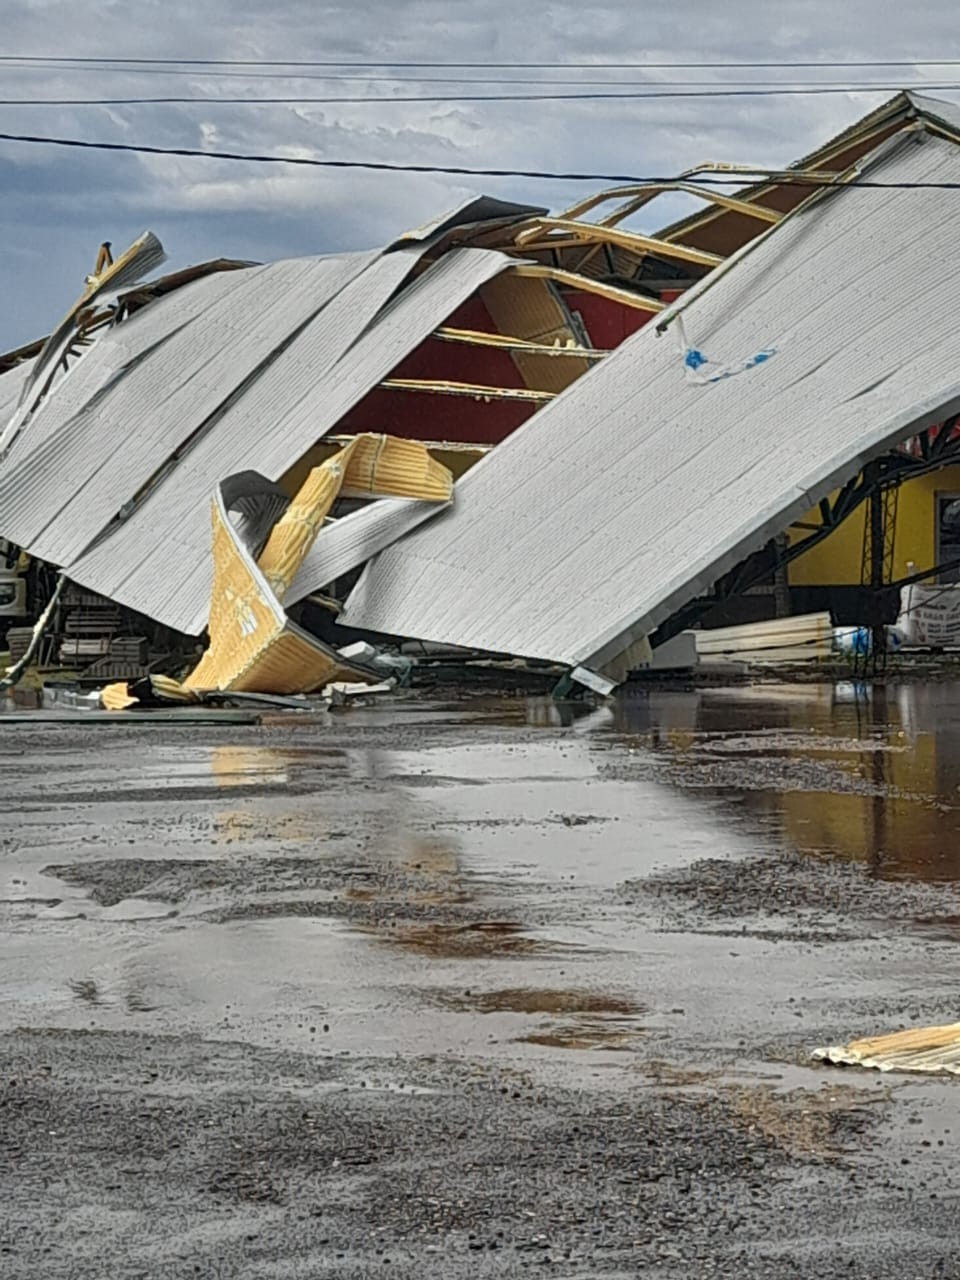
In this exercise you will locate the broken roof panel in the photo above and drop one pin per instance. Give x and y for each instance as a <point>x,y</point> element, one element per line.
<point>632,492</point>
<point>66,491</point>
<point>473,210</point>
<point>724,231</point>
<point>938,110</point>
<point>928,1049</point>
<point>356,538</point>
<point>143,257</point>
<point>327,367</point>
<point>11,385</point>
<point>118,348</point>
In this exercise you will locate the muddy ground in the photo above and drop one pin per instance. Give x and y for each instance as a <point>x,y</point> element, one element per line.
<point>473,988</point>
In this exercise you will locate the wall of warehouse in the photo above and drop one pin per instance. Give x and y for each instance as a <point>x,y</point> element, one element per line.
<point>836,560</point>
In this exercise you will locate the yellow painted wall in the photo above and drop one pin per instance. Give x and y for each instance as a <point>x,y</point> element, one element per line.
<point>836,560</point>
<point>900,827</point>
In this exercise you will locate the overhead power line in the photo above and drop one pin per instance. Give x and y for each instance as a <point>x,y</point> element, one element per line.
<point>493,66</point>
<point>519,81</point>
<point>730,176</point>
<point>342,71</point>
<point>638,95</point>
<point>367,77</point>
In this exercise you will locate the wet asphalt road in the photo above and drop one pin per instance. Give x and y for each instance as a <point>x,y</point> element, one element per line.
<point>454,989</point>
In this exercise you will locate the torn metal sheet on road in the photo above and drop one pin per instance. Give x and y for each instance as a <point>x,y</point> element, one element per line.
<point>931,1050</point>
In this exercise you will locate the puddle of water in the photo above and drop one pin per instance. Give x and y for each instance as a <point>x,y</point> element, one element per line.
<point>533,832</point>
<point>238,766</point>
<point>568,1018</point>
<point>540,1000</point>
<point>870,774</point>
<point>479,941</point>
<point>584,1035</point>
<point>113,770</point>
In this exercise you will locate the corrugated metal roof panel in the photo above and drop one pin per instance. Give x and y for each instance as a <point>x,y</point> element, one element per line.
<point>932,1050</point>
<point>632,492</point>
<point>472,210</point>
<point>96,464</point>
<point>139,260</point>
<point>113,349</point>
<point>947,113</point>
<point>356,538</point>
<point>294,401</point>
<point>11,384</point>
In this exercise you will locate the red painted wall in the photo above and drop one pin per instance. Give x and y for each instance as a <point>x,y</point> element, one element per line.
<point>418,415</point>
<point>607,323</point>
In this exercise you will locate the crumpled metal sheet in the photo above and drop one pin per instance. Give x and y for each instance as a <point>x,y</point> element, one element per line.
<point>254,646</point>
<point>932,1050</point>
<point>143,256</point>
<point>155,558</point>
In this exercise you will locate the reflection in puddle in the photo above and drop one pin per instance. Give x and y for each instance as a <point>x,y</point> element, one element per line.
<point>242,766</point>
<point>137,1002</point>
<point>868,773</point>
<point>579,1018</point>
<point>489,938</point>
<point>541,1000</point>
<point>550,713</point>
<point>587,1034</point>
<point>228,766</point>
<point>90,992</point>
<point>245,766</point>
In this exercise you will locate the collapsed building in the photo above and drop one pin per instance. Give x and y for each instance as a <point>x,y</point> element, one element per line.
<point>646,431</point>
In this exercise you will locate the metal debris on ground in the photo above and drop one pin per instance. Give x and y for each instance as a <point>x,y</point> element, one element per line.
<point>933,1050</point>
<point>254,646</point>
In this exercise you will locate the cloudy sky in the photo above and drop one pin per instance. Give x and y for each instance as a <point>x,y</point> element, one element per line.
<point>58,205</point>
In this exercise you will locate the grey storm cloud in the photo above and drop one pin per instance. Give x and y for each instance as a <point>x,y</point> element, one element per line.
<point>59,205</point>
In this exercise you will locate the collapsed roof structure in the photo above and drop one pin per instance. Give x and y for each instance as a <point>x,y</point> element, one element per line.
<point>635,463</point>
<point>813,350</point>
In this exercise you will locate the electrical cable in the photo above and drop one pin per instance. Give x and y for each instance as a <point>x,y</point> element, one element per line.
<point>576,81</point>
<point>635,95</point>
<point>829,64</point>
<point>727,178</point>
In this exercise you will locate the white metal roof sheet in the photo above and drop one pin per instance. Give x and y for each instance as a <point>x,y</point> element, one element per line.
<point>11,384</point>
<point>68,489</point>
<point>326,368</point>
<point>942,110</point>
<point>634,490</point>
<point>354,539</point>
<point>113,350</point>
<point>472,210</point>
